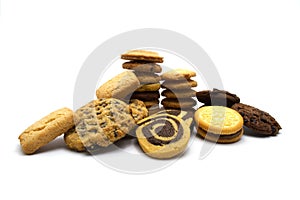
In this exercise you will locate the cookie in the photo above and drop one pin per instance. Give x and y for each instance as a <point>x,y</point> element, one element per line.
<point>151,103</point>
<point>178,103</point>
<point>179,94</point>
<point>141,66</point>
<point>46,129</point>
<point>163,136</point>
<point>148,87</point>
<point>217,97</point>
<point>219,124</point>
<point>259,121</point>
<point>138,110</point>
<point>142,55</point>
<point>102,122</point>
<point>186,116</point>
<point>182,85</point>
<point>145,78</point>
<point>119,86</point>
<point>73,141</point>
<point>178,74</point>
<point>145,96</point>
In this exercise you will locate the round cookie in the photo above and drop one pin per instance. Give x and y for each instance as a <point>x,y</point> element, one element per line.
<point>178,94</point>
<point>259,121</point>
<point>179,85</point>
<point>140,66</point>
<point>178,74</point>
<point>148,87</point>
<point>142,55</point>
<point>102,122</point>
<point>145,96</point>
<point>46,129</point>
<point>219,124</point>
<point>73,141</point>
<point>217,98</point>
<point>138,110</point>
<point>151,103</point>
<point>186,116</point>
<point>163,135</point>
<point>145,78</point>
<point>178,103</point>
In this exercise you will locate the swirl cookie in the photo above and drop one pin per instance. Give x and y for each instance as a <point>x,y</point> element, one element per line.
<point>219,124</point>
<point>102,122</point>
<point>45,130</point>
<point>217,97</point>
<point>259,121</point>
<point>142,55</point>
<point>119,86</point>
<point>140,66</point>
<point>163,135</point>
<point>186,116</point>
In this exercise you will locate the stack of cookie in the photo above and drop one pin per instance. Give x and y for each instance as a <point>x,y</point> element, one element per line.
<point>178,89</point>
<point>144,65</point>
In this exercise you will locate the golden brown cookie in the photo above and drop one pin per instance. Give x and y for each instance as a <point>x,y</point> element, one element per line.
<point>102,122</point>
<point>148,87</point>
<point>178,74</point>
<point>163,135</point>
<point>179,94</point>
<point>151,103</point>
<point>142,55</point>
<point>119,86</point>
<point>138,110</point>
<point>178,103</point>
<point>141,66</point>
<point>46,129</point>
<point>73,140</point>
<point>219,124</point>
<point>179,85</point>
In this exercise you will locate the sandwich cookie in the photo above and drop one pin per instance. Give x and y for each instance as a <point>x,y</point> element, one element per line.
<point>179,85</point>
<point>142,55</point>
<point>178,103</point>
<point>140,66</point>
<point>219,124</point>
<point>179,94</point>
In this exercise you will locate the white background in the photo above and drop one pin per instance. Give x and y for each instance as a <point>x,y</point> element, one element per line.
<point>254,44</point>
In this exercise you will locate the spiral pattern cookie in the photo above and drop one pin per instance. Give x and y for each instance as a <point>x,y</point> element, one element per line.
<point>163,135</point>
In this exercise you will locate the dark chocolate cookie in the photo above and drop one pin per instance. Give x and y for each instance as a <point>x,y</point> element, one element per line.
<point>217,98</point>
<point>258,120</point>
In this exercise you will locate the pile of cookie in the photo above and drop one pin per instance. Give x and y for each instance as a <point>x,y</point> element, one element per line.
<point>178,89</point>
<point>144,65</point>
<point>123,103</point>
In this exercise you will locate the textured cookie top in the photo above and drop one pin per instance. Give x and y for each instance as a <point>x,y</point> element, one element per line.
<point>218,119</point>
<point>178,74</point>
<point>142,55</point>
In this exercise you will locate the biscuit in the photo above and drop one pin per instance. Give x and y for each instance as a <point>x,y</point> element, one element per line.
<point>102,122</point>
<point>163,136</point>
<point>186,116</point>
<point>151,103</point>
<point>148,87</point>
<point>138,110</point>
<point>73,141</point>
<point>179,85</point>
<point>140,66</point>
<point>145,96</point>
<point>217,97</point>
<point>119,86</point>
<point>219,124</point>
<point>179,94</point>
<point>46,129</point>
<point>145,78</point>
<point>259,121</point>
<point>178,74</point>
<point>178,103</point>
<point>142,55</point>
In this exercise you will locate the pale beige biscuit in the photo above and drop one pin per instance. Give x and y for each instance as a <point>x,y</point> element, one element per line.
<point>163,135</point>
<point>179,94</point>
<point>45,130</point>
<point>73,140</point>
<point>102,122</point>
<point>148,87</point>
<point>219,124</point>
<point>178,74</point>
<point>142,55</point>
<point>138,110</point>
<point>119,86</point>
<point>178,103</point>
<point>140,66</point>
<point>179,85</point>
